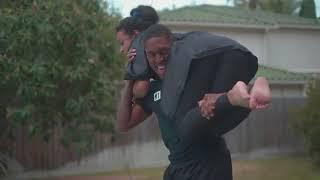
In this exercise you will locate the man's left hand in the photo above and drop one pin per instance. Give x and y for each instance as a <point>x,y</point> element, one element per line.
<point>207,105</point>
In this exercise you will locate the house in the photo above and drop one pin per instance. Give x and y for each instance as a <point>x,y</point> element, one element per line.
<point>285,84</point>
<point>288,47</point>
<point>280,41</point>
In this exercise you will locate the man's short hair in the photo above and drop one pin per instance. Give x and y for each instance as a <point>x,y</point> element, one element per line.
<point>157,30</point>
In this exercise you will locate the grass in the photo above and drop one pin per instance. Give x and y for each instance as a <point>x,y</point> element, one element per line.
<point>276,169</point>
<point>149,173</point>
<point>284,168</point>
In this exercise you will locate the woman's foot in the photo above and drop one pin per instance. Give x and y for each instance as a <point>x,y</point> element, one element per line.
<point>260,94</point>
<point>238,95</point>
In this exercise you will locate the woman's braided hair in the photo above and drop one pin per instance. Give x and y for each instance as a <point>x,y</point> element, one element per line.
<point>141,18</point>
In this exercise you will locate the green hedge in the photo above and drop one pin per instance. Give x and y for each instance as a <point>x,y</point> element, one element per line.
<point>308,121</point>
<point>59,66</point>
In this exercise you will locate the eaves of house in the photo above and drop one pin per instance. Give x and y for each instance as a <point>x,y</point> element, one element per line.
<point>230,17</point>
<point>280,76</point>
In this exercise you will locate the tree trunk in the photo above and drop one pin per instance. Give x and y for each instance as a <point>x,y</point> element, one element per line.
<point>253,4</point>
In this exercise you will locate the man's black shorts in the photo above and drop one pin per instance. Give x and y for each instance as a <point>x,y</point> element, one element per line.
<point>216,168</point>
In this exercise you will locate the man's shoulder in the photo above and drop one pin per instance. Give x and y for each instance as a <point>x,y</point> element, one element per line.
<point>154,95</point>
<point>155,88</point>
<point>155,85</point>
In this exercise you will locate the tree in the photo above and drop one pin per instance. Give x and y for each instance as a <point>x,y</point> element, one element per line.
<point>276,6</point>
<point>308,9</point>
<point>253,4</point>
<point>280,6</point>
<point>59,67</point>
<point>308,122</point>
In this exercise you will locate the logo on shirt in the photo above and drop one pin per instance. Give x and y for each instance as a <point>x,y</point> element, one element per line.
<point>157,96</point>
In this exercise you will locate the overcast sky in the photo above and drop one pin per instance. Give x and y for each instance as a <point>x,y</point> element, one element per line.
<point>125,6</point>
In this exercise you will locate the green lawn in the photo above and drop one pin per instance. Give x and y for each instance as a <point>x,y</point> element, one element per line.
<point>276,169</point>
<point>284,168</point>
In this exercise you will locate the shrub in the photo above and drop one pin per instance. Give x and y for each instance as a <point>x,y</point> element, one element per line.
<point>308,121</point>
<point>59,66</point>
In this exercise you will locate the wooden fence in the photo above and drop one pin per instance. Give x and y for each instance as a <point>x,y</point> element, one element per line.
<point>269,128</point>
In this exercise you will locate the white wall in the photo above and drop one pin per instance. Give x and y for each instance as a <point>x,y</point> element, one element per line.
<point>287,90</point>
<point>294,50</point>
<point>253,39</point>
<point>291,49</point>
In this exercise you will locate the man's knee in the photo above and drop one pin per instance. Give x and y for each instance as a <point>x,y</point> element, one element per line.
<point>242,64</point>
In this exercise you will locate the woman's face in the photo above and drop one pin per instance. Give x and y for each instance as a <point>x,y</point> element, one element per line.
<point>125,41</point>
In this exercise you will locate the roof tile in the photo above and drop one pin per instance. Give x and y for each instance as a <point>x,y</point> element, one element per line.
<point>281,75</point>
<point>232,15</point>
